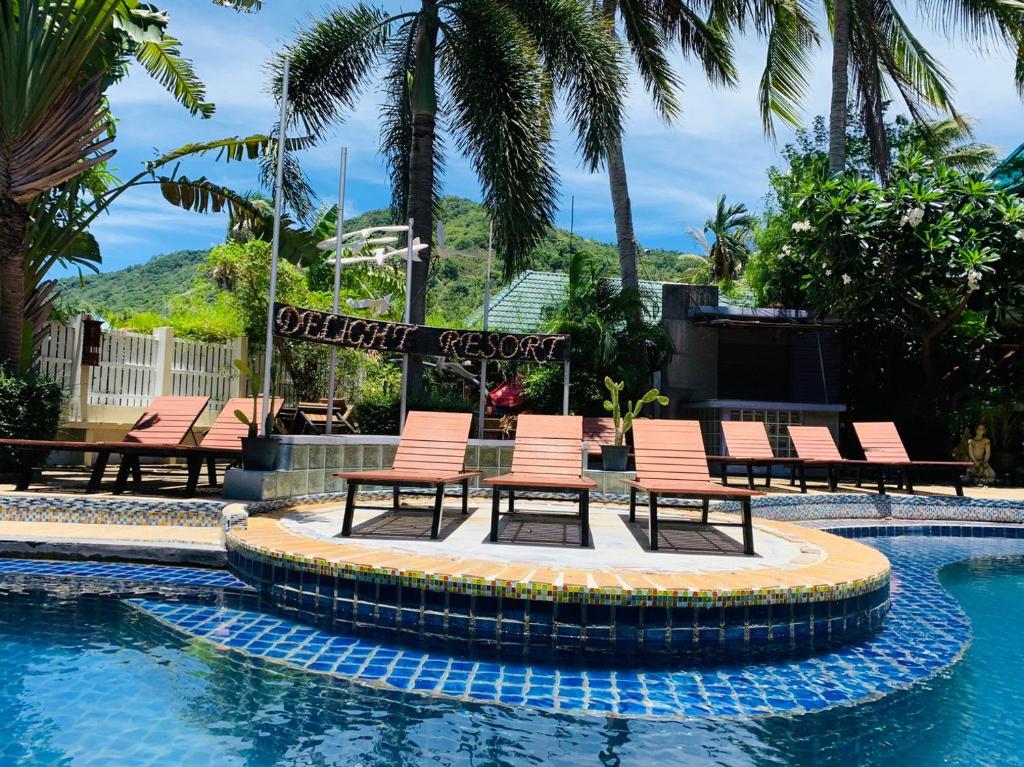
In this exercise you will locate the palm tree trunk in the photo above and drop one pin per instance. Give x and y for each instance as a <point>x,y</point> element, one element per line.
<point>13,227</point>
<point>621,206</point>
<point>840,86</point>
<point>421,176</point>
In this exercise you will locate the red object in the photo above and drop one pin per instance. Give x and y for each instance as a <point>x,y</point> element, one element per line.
<point>92,337</point>
<point>508,394</point>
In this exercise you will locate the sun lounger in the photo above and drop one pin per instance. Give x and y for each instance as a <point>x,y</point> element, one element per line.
<point>431,453</point>
<point>881,443</point>
<point>167,421</point>
<point>548,456</point>
<point>670,460</point>
<point>223,441</point>
<point>746,444</point>
<point>817,448</point>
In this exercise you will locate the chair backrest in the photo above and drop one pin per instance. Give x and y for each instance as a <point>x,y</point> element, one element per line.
<point>880,441</point>
<point>167,420</point>
<point>747,439</point>
<point>433,442</point>
<point>597,432</point>
<point>670,451</point>
<point>814,443</point>
<point>551,445</point>
<point>227,431</point>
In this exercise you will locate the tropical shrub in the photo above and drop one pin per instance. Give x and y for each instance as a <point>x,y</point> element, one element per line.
<point>926,273</point>
<point>30,408</point>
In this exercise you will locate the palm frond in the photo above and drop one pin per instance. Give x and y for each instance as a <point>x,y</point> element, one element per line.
<point>708,42</point>
<point>648,43</point>
<point>583,60</point>
<point>201,195</point>
<point>784,82</point>
<point>501,122</point>
<point>330,61</point>
<point>164,62</point>
<point>245,6</point>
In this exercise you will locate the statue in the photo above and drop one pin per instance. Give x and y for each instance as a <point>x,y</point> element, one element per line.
<point>979,452</point>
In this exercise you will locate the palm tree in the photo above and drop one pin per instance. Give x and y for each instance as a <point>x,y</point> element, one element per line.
<point>728,248</point>
<point>482,72</point>
<point>875,49</point>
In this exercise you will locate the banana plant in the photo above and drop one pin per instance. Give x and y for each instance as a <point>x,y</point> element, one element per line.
<point>623,423</point>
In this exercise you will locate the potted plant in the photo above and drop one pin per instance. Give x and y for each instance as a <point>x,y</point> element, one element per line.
<point>615,457</point>
<point>259,453</point>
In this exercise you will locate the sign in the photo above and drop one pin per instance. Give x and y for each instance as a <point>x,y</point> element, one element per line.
<point>375,335</point>
<point>92,339</point>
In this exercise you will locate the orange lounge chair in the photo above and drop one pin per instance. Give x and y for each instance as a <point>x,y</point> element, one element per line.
<point>167,421</point>
<point>746,444</point>
<point>222,441</point>
<point>548,456</point>
<point>817,448</point>
<point>882,444</point>
<point>670,460</point>
<point>431,453</point>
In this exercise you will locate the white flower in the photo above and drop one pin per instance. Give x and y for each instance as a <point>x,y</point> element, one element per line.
<point>973,280</point>
<point>786,250</point>
<point>847,279</point>
<point>802,226</point>
<point>828,272</point>
<point>1020,234</point>
<point>914,217</point>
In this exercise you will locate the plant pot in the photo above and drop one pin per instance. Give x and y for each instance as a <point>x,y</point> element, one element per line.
<point>259,453</point>
<point>615,457</point>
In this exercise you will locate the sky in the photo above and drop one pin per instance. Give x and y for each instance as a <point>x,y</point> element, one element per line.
<point>676,171</point>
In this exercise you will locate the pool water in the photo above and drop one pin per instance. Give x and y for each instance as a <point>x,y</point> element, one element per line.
<point>88,681</point>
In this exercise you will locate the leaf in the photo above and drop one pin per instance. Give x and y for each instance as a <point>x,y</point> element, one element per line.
<point>242,417</point>
<point>163,60</point>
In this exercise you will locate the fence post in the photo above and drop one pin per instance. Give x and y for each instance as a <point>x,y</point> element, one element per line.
<point>79,375</point>
<point>164,361</point>
<point>239,351</point>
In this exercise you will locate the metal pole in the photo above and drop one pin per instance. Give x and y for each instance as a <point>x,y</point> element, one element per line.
<point>268,355</point>
<point>565,389</point>
<point>408,314</point>
<point>487,312</point>
<point>340,220</point>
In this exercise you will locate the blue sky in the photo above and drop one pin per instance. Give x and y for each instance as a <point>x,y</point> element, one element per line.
<point>675,172</point>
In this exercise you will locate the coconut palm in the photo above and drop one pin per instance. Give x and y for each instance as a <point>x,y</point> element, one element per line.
<point>725,242</point>
<point>481,73</point>
<point>875,52</point>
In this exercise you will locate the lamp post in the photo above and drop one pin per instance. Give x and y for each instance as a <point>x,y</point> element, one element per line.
<point>340,230</point>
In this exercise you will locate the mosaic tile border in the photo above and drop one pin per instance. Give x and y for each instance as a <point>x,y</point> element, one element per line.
<point>926,633</point>
<point>109,571</point>
<point>108,511</point>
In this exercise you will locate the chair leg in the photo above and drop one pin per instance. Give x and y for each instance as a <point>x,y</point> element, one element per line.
<point>396,498</point>
<point>907,481</point>
<point>195,468</point>
<point>98,467</point>
<point>495,513</point>
<point>136,466</point>
<point>511,501</point>
<point>792,475</point>
<point>632,504</point>
<point>706,507</point>
<point>435,526</point>
<point>958,482</point>
<point>584,518</point>
<point>122,475</point>
<point>750,476</point>
<point>350,509</point>
<point>833,478</point>
<point>881,481</point>
<point>211,470</point>
<point>859,475</point>
<point>25,475</point>
<point>748,528</point>
<point>652,519</point>
<point>803,478</point>
<point>768,475</point>
<point>724,472</point>
<point>465,497</point>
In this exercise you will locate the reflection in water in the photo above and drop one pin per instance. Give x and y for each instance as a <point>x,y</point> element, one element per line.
<point>87,681</point>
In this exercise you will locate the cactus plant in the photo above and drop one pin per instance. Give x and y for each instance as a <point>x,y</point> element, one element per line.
<point>623,423</point>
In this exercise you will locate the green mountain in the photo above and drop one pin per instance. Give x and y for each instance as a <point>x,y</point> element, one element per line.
<point>456,278</point>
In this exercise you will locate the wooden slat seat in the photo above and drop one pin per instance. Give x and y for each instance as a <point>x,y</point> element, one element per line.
<point>223,441</point>
<point>167,421</point>
<point>670,460</point>
<point>431,453</point>
<point>817,448</point>
<point>747,444</point>
<point>548,455</point>
<point>882,444</point>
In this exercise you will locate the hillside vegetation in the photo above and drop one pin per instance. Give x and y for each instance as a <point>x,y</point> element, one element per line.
<point>456,280</point>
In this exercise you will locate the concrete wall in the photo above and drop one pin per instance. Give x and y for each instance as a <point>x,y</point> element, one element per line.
<point>691,374</point>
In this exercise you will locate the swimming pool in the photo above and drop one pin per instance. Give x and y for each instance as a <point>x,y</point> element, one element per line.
<point>93,679</point>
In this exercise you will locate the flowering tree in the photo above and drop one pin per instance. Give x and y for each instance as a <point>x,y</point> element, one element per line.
<point>927,274</point>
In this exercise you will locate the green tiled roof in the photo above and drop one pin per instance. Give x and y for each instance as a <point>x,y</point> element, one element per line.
<point>519,306</point>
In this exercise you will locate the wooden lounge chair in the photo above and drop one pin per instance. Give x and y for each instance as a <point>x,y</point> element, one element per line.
<point>670,460</point>
<point>746,444</point>
<point>817,448</point>
<point>548,456</point>
<point>223,441</point>
<point>167,421</point>
<point>431,453</point>
<point>881,443</point>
